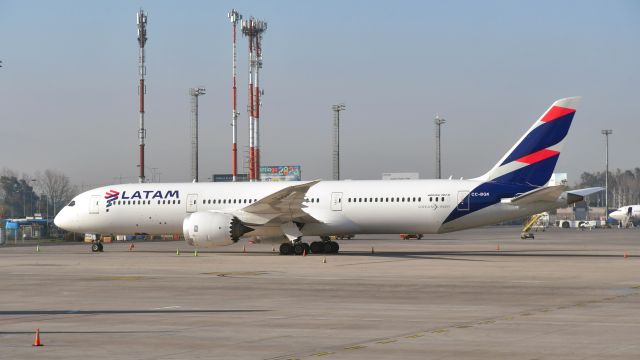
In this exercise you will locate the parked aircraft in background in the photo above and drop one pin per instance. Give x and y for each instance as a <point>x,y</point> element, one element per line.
<point>626,215</point>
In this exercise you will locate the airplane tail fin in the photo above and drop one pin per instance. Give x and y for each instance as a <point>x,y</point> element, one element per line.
<point>533,158</point>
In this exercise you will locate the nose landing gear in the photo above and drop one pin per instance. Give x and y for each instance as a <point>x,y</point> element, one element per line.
<point>96,246</point>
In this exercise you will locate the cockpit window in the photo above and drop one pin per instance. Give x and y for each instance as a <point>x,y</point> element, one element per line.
<point>73,202</point>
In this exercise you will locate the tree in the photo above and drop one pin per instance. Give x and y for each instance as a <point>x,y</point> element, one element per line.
<point>57,188</point>
<point>16,196</point>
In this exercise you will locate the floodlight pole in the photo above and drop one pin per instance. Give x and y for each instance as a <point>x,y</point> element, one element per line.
<point>438,121</point>
<point>606,134</point>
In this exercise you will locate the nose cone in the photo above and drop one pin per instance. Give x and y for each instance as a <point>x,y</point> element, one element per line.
<point>616,215</point>
<point>61,221</point>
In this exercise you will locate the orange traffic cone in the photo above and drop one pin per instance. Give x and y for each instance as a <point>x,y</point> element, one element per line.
<point>498,247</point>
<point>37,342</point>
<point>131,247</point>
<point>626,255</point>
<point>304,253</point>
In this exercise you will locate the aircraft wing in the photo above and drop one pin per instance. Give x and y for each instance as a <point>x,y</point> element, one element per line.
<point>284,205</point>
<point>542,194</point>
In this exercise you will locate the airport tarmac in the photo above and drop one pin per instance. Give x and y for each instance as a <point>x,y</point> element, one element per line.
<point>477,294</point>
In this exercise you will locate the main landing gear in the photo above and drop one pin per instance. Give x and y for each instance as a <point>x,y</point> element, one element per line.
<point>317,247</point>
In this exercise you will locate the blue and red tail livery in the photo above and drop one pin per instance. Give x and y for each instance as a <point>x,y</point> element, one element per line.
<point>532,159</point>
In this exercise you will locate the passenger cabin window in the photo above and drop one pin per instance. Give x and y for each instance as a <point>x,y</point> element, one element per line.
<point>72,203</point>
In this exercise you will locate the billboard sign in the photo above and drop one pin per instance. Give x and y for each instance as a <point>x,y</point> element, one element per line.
<point>281,173</point>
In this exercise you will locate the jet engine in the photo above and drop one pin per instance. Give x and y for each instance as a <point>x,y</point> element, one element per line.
<point>208,229</point>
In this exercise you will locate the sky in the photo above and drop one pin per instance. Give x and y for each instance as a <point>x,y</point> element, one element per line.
<point>68,85</point>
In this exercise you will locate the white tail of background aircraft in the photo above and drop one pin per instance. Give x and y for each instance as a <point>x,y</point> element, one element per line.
<point>216,214</point>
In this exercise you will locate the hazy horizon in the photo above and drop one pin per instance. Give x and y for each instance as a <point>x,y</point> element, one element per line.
<point>68,85</point>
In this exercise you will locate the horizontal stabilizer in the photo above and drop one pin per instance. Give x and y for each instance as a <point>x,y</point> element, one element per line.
<point>574,196</point>
<point>543,194</point>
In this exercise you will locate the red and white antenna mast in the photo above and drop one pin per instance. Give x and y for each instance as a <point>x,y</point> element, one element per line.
<point>234,16</point>
<point>142,40</point>
<point>253,30</point>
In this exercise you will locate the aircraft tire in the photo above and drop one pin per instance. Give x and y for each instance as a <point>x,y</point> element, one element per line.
<point>298,248</point>
<point>286,249</point>
<point>317,247</point>
<point>335,247</point>
<point>95,248</point>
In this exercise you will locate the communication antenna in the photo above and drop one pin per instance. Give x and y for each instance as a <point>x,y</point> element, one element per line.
<point>141,20</point>
<point>234,17</point>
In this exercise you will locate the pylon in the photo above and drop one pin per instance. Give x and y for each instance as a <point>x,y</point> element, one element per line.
<point>324,260</point>
<point>177,251</point>
<point>195,253</point>
<point>304,252</point>
<point>626,255</point>
<point>37,342</point>
<point>498,247</point>
<point>131,247</point>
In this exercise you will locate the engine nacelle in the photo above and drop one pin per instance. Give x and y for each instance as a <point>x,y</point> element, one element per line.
<point>208,229</point>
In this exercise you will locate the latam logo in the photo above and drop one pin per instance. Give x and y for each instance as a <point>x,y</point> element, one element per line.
<point>111,196</point>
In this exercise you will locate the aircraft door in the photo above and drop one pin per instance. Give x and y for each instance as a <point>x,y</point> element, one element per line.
<point>192,203</point>
<point>336,201</point>
<point>463,200</point>
<point>94,204</point>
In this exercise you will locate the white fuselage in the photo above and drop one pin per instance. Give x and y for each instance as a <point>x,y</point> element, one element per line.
<point>340,207</point>
<point>629,212</point>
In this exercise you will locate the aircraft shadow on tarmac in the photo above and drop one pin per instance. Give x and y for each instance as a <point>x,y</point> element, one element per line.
<point>105,312</point>
<point>455,255</point>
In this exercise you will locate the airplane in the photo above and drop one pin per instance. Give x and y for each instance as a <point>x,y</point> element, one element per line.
<point>218,214</point>
<point>626,214</point>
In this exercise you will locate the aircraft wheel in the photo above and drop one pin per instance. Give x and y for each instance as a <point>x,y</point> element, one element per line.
<point>298,248</point>
<point>96,247</point>
<point>326,247</point>
<point>317,247</point>
<point>286,249</point>
<point>335,247</point>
